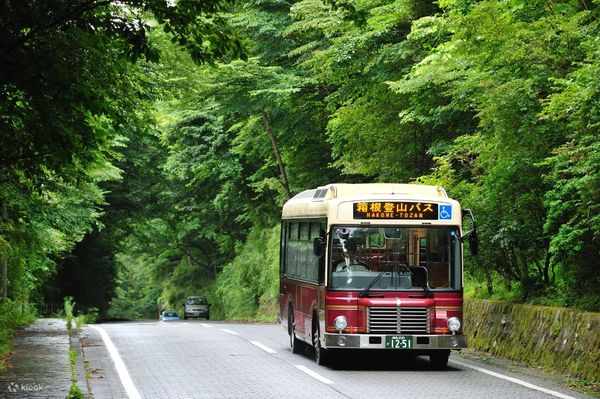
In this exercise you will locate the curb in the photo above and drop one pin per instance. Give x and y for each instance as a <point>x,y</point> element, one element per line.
<point>80,370</point>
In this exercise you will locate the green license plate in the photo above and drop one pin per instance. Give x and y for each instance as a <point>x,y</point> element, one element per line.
<point>399,342</point>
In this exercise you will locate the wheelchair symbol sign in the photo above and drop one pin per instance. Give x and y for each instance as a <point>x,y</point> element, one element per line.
<point>445,212</point>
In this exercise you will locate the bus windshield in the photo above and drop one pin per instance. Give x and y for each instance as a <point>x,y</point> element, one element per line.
<point>393,258</point>
<point>196,300</point>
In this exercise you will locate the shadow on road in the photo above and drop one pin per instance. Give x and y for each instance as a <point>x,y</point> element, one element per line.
<point>371,360</point>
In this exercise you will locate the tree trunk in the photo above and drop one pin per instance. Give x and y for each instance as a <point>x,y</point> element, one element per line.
<point>4,278</point>
<point>489,281</point>
<point>547,268</point>
<point>284,179</point>
<point>4,262</point>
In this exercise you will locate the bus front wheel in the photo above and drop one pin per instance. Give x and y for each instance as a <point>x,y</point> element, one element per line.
<point>295,343</point>
<point>321,355</point>
<point>439,360</point>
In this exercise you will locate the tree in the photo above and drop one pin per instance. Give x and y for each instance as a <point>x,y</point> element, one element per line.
<point>70,94</point>
<point>66,61</point>
<point>222,175</point>
<point>499,62</point>
<point>573,220</point>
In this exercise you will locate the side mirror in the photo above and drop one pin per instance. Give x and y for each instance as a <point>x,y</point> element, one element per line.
<point>472,234</point>
<point>474,243</point>
<point>319,246</point>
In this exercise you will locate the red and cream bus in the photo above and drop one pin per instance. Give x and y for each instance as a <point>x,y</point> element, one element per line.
<point>374,266</point>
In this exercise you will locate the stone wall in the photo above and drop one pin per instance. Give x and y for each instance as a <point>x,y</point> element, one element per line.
<point>559,339</point>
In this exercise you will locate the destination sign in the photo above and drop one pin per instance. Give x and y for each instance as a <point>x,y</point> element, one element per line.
<point>396,210</point>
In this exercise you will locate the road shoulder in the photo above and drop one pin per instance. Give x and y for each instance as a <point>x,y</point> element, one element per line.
<point>103,378</point>
<point>511,368</point>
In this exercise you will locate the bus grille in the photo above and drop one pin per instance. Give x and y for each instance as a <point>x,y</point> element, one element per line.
<point>402,320</point>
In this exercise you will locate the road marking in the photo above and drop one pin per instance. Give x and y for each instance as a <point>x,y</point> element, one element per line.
<point>514,380</point>
<point>131,390</point>
<point>263,347</point>
<point>229,331</point>
<point>314,374</point>
<point>206,325</point>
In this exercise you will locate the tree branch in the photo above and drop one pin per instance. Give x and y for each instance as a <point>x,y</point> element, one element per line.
<point>284,178</point>
<point>61,20</point>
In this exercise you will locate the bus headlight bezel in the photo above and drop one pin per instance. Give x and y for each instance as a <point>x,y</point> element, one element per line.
<point>340,323</point>
<point>453,324</point>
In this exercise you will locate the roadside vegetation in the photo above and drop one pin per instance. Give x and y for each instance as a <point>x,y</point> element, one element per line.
<point>13,314</point>
<point>147,165</point>
<point>74,391</point>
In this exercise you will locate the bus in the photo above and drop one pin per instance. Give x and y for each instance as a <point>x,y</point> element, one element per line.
<point>374,266</point>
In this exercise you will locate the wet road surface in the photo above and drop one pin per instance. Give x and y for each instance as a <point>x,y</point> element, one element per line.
<point>199,359</point>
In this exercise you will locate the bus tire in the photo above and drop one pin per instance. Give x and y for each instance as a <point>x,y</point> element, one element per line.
<point>295,343</point>
<point>321,355</point>
<point>439,359</point>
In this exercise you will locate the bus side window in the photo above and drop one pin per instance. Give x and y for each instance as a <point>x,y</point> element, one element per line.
<point>292,250</point>
<point>322,261</point>
<point>284,242</point>
<point>313,261</point>
<point>305,251</point>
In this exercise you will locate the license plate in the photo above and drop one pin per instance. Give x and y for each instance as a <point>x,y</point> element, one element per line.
<point>399,342</point>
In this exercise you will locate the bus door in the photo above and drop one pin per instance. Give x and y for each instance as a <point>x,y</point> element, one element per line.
<point>422,251</point>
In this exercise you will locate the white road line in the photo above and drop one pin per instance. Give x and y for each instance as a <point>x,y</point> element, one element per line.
<point>514,380</point>
<point>131,390</point>
<point>314,374</point>
<point>230,332</point>
<point>263,347</point>
<point>206,325</point>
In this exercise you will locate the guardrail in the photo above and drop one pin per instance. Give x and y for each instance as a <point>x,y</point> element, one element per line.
<point>47,309</point>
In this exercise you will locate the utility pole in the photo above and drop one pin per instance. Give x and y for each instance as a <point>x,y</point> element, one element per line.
<point>284,178</point>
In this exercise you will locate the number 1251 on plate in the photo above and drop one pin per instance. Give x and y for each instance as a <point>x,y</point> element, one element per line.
<point>398,342</point>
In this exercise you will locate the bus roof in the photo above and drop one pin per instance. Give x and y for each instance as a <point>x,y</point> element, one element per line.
<point>316,202</point>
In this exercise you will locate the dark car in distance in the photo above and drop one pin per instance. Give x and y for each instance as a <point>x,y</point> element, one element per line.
<point>196,306</point>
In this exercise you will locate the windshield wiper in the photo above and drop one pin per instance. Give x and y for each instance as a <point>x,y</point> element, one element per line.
<point>423,283</point>
<point>365,292</point>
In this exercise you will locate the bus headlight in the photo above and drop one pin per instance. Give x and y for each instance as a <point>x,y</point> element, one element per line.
<point>453,324</point>
<point>340,323</point>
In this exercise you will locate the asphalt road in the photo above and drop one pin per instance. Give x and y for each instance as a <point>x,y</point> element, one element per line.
<point>198,359</point>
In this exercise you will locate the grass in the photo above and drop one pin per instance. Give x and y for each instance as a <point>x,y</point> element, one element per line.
<point>80,320</point>
<point>477,289</point>
<point>589,388</point>
<point>556,294</point>
<point>69,305</point>
<point>74,392</point>
<point>90,317</point>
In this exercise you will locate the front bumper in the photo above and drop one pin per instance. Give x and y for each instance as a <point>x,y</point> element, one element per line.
<point>421,342</point>
<point>202,313</point>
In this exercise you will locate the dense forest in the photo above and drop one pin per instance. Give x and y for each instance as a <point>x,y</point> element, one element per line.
<point>148,145</point>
